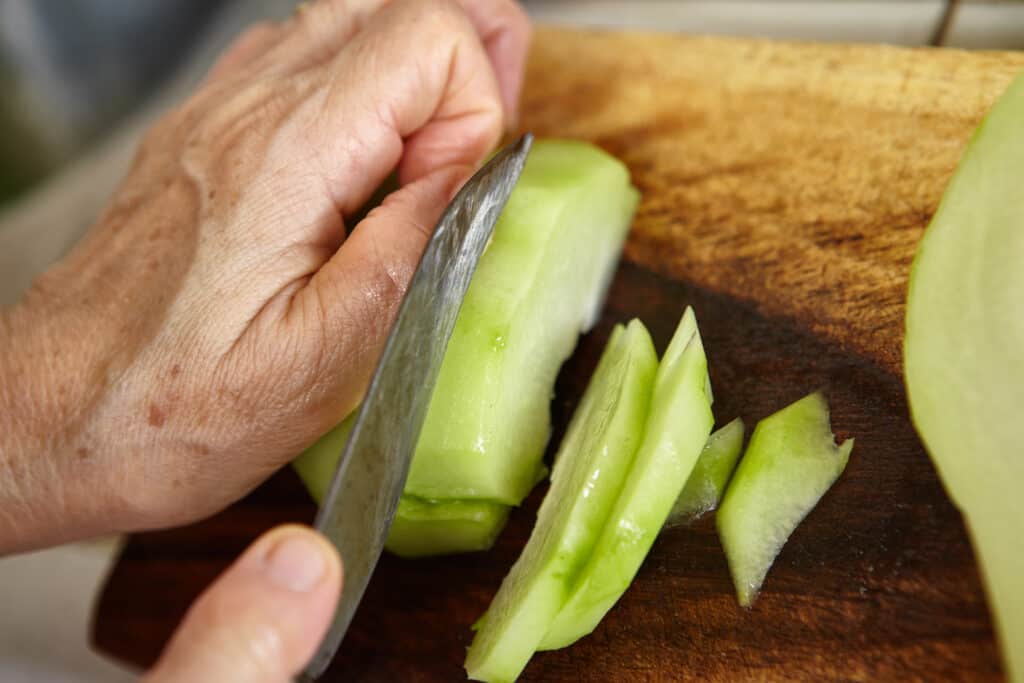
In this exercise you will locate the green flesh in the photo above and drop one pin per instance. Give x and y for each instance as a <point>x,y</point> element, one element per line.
<point>423,528</point>
<point>676,430</point>
<point>599,446</point>
<point>710,475</point>
<point>539,285</point>
<point>420,527</point>
<point>964,355</point>
<point>792,459</point>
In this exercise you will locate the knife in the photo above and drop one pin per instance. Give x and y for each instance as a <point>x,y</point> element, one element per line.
<point>360,504</point>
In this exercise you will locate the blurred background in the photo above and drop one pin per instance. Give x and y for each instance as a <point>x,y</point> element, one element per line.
<point>80,80</point>
<point>72,69</point>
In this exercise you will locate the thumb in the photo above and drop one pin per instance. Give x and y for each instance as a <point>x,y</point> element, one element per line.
<point>261,621</point>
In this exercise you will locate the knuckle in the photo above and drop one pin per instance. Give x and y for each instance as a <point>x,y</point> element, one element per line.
<point>445,16</point>
<point>326,19</point>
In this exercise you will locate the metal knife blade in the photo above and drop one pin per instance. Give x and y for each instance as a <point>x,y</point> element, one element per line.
<point>361,501</point>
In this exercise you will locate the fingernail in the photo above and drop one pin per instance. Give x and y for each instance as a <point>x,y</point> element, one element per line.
<point>296,562</point>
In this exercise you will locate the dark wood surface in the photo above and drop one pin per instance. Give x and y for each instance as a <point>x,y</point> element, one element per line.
<point>785,187</point>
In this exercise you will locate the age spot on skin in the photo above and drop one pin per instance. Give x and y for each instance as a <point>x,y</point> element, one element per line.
<point>157,417</point>
<point>176,370</point>
<point>82,453</point>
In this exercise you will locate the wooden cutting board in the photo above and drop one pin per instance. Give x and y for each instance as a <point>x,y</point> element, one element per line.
<point>785,187</point>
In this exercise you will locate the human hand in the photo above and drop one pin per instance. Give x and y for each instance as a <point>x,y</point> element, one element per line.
<point>216,320</point>
<point>261,621</point>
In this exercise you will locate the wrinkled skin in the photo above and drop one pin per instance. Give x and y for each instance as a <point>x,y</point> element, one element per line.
<point>224,312</point>
<point>213,323</point>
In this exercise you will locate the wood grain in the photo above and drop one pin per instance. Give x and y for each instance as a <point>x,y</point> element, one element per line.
<point>785,187</point>
<point>797,177</point>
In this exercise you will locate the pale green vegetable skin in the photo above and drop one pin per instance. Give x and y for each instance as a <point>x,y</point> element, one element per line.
<point>791,461</point>
<point>539,285</point>
<point>675,432</point>
<point>710,475</point>
<point>595,454</point>
<point>964,355</point>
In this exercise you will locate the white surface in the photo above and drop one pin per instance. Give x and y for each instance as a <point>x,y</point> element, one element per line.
<point>46,597</point>
<point>47,600</point>
<point>902,22</point>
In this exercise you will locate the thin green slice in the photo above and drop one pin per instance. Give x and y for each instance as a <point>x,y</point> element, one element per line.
<point>791,461</point>
<point>423,528</point>
<point>675,432</point>
<point>710,475</point>
<point>420,527</point>
<point>599,446</point>
<point>964,355</point>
